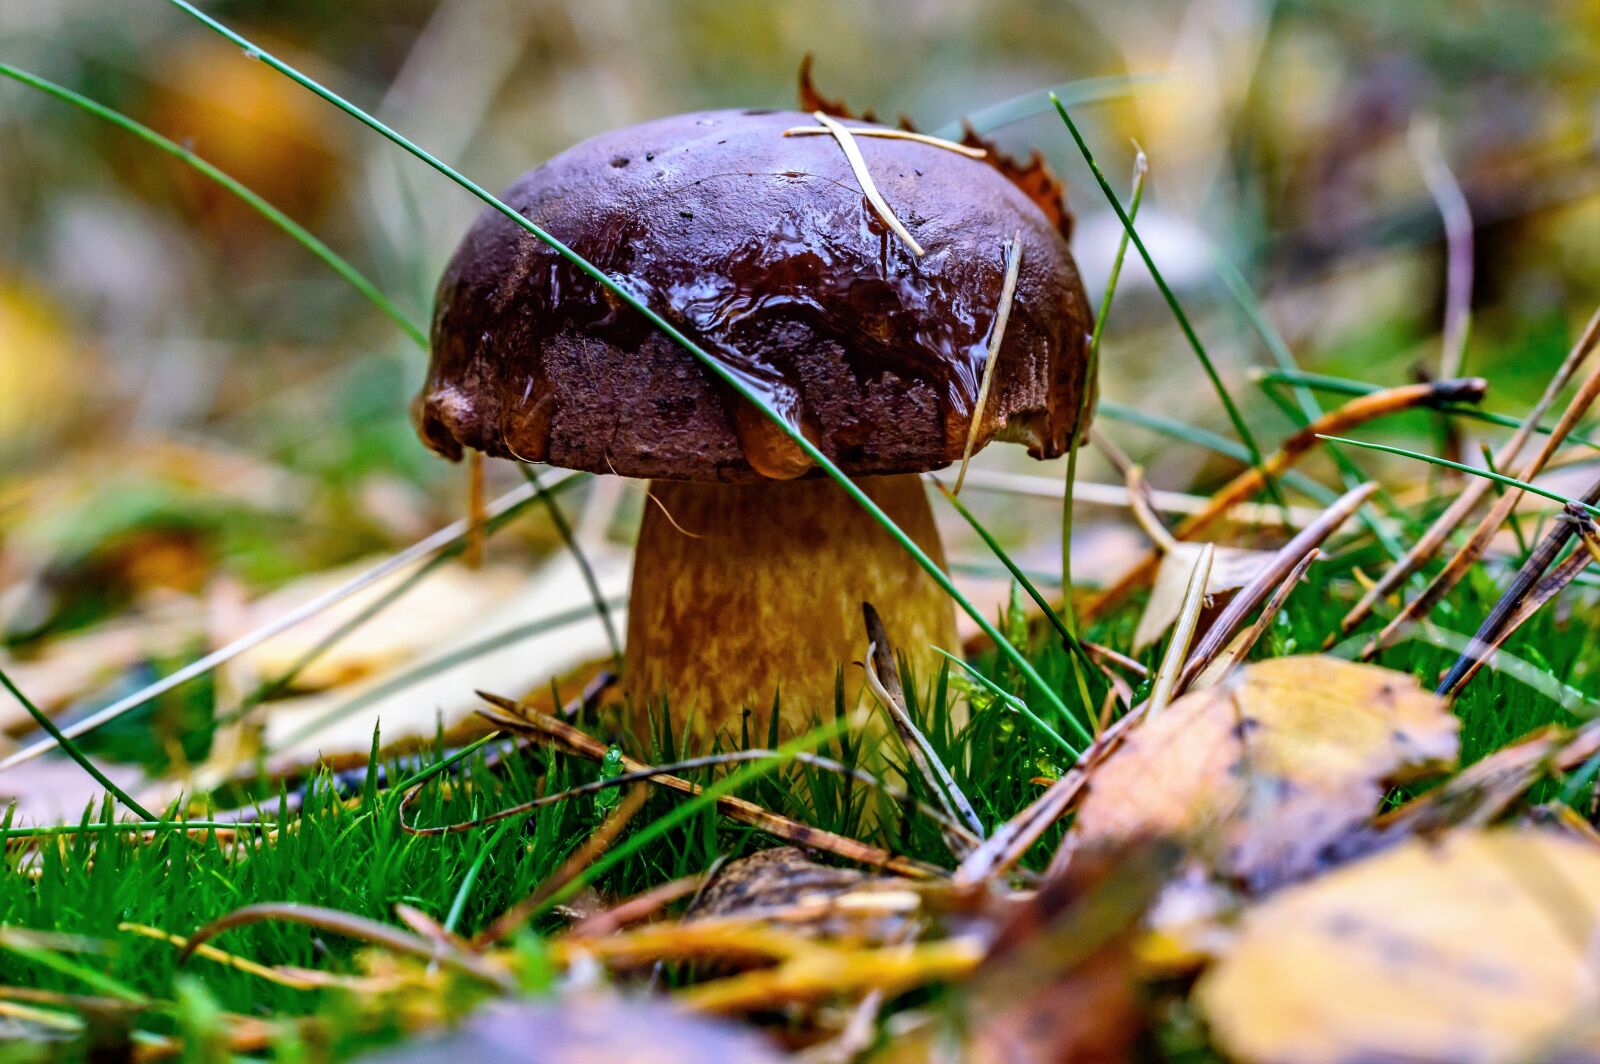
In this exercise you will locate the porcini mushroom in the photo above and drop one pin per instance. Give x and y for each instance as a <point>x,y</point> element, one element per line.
<point>750,568</point>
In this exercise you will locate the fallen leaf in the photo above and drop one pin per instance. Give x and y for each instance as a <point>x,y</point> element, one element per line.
<point>785,886</point>
<point>1271,766</point>
<point>770,879</point>
<point>1059,984</point>
<point>1480,948</point>
<point>586,1030</point>
<point>1231,569</point>
<point>437,657</point>
<point>443,603</point>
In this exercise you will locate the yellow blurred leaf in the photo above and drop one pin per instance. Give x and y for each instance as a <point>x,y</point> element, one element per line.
<point>1270,766</point>
<point>1477,948</point>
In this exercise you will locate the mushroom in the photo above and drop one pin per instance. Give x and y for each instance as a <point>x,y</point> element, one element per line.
<point>751,566</point>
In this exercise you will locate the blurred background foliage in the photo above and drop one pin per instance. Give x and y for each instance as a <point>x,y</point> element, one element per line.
<point>189,401</point>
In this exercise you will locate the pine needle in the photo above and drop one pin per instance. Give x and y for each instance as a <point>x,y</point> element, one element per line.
<point>1002,315</point>
<point>893,134</point>
<point>852,152</point>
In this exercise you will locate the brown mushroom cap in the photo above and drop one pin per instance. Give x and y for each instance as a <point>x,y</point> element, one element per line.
<point>764,250</point>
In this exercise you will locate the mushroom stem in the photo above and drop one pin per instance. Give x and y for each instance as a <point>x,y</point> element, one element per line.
<point>743,590</point>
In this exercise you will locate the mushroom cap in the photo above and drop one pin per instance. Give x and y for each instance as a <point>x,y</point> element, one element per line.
<point>764,250</point>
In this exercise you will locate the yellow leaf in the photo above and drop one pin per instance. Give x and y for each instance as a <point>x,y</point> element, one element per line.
<point>1478,948</point>
<point>1271,765</point>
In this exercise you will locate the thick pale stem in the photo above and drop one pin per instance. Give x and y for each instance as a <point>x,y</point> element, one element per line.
<point>752,589</point>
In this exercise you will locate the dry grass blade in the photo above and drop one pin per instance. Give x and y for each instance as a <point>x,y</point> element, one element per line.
<point>1548,587</point>
<point>232,960</point>
<point>1457,217</point>
<point>893,134</point>
<point>1528,591</point>
<point>1104,655</point>
<point>1357,411</point>
<point>595,845</point>
<point>1474,491</point>
<point>997,335</point>
<point>1473,549</point>
<point>426,547</point>
<point>473,557</point>
<point>828,973</point>
<point>1246,640</point>
<point>639,907</point>
<point>1194,599</point>
<point>1144,514</point>
<point>883,676</point>
<point>1254,593</point>
<point>1093,493</point>
<point>852,152</point>
<point>351,926</point>
<point>528,721</point>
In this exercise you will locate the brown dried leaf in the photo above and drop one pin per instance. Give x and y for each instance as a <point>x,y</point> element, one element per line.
<point>1477,949</point>
<point>1270,767</point>
<point>1059,985</point>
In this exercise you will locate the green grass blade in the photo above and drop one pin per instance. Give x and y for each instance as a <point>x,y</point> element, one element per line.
<point>564,530</point>
<point>1063,629</point>
<point>1185,433</point>
<point>714,365</point>
<point>1037,102</point>
<point>135,827</point>
<point>1013,701</point>
<point>294,229</point>
<point>72,750</point>
<point>1234,416</point>
<point>1501,478</point>
<point>459,904</point>
<point>1141,168</point>
<point>681,813</point>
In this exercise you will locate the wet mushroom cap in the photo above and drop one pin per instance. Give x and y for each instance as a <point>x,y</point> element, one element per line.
<point>763,249</point>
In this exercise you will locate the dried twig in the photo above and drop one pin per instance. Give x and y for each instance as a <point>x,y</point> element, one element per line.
<point>997,335</point>
<point>529,721</point>
<point>232,960</point>
<point>351,926</point>
<point>651,772</point>
<point>1528,591</point>
<point>1357,411</point>
<point>1475,490</point>
<point>1470,551</point>
<point>642,905</point>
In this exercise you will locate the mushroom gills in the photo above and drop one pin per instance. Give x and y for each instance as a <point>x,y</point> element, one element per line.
<point>744,591</point>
